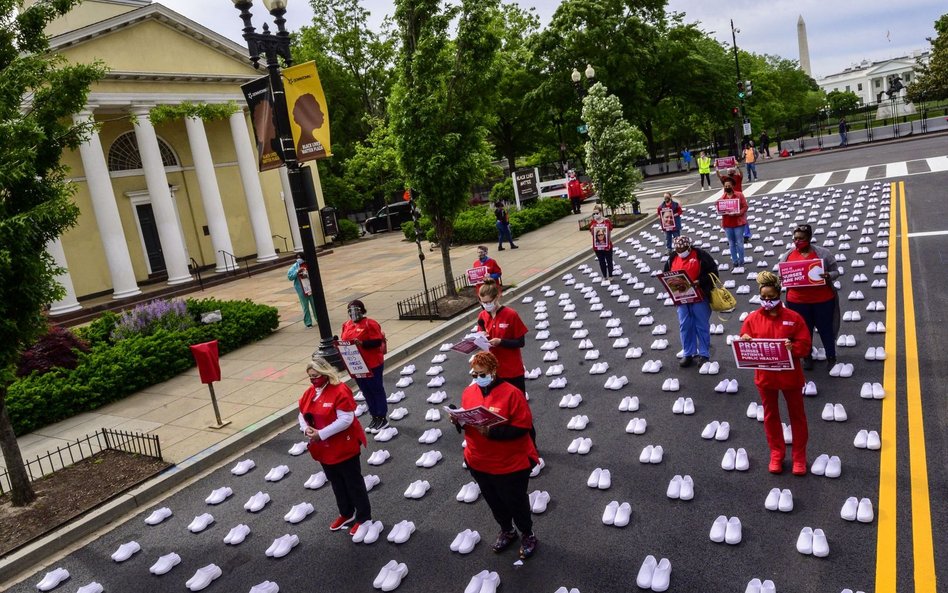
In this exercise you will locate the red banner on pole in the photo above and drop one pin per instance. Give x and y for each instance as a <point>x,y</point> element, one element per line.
<point>208,361</point>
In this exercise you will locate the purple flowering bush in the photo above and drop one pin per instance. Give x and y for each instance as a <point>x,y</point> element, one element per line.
<point>147,318</point>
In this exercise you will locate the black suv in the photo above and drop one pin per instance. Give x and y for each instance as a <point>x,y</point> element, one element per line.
<point>399,211</point>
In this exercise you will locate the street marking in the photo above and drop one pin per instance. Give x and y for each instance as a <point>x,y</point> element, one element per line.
<point>926,234</point>
<point>753,188</point>
<point>896,170</point>
<point>923,551</point>
<point>784,184</point>
<point>819,180</point>
<point>886,570</point>
<point>856,175</point>
<point>938,163</point>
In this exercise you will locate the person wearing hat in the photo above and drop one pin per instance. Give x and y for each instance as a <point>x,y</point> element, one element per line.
<point>368,337</point>
<point>694,319</point>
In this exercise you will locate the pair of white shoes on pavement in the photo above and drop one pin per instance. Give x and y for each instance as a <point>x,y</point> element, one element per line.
<point>277,473</point>
<point>398,413</point>
<point>652,454</point>
<point>710,368</point>
<point>417,489</point>
<point>580,445</point>
<point>298,512</point>
<point>684,405</point>
<point>719,431</point>
<point>615,332</point>
<point>404,382</point>
<point>727,386</point>
<point>659,344</point>
<point>671,385</point>
<point>652,366</point>
<point>534,374</point>
<point>465,541</point>
<point>659,330</point>
<point>834,413</point>
<point>872,391</point>
<point>126,551</point>
<point>430,436</point>
<point>591,355</point>
<point>756,586</point>
<point>841,369</point>
<point>256,502</point>
<point>857,510</point>
<point>551,356</point>
<point>868,439</point>
<point>539,499</point>
<point>483,582</point>
<point>436,398</point>
<point>203,577</point>
<point>371,481</point>
<point>433,414</point>
<point>616,383</point>
<point>401,532</point>
<point>243,467</point>
<point>599,368</point>
<point>376,458</point>
<point>809,389</point>
<point>298,448</point>
<point>52,579</point>
<point>617,514</point>
<point>571,400</point>
<point>469,493</point>
<point>429,459</point>
<point>620,343</point>
<point>600,479</point>
<point>157,516</point>
<point>585,344</point>
<point>554,370</point>
<point>727,530</point>
<point>235,536</point>
<point>636,426</point>
<point>877,353</point>
<point>536,468</point>
<point>265,587</point>
<point>200,523</point>
<point>629,403</point>
<point>813,542</point>
<point>391,575</point>
<point>779,500</point>
<point>219,495</point>
<point>634,352</point>
<point>578,422</point>
<point>282,546</point>
<point>165,564</point>
<point>434,371</point>
<point>735,460</point>
<point>654,575</point>
<point>824,465</point>
<point>386,434</point>
<point>875,327</point>
<point>368,532</point>
<point>435,382</point>
<point>407,370</point>
<point>681,488</point>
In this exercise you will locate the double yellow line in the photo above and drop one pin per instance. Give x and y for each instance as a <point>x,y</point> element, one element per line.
<point>923,553</point>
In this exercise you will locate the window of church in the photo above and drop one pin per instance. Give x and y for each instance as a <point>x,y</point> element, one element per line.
<point>124,155</point>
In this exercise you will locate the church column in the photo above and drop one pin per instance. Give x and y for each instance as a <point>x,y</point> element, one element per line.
<point>210,192</point>
<point>172,245</point>
<point>106,213</point>
<point>69,302</point>
<point>259,222</point>
<point>291,211</point>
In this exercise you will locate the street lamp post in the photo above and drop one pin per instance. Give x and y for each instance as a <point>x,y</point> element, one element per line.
<point>558,122</point>
<point>274,47</point>
<point>576,77</point>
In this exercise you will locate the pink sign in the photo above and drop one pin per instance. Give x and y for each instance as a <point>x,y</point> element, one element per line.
<point>802,274</point>
<point>764,354</point>
<point>728,206</point>
<point>725,162</point>
<point>476,275</point>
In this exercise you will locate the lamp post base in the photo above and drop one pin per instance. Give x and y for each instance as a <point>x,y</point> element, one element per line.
<point>328,351</point>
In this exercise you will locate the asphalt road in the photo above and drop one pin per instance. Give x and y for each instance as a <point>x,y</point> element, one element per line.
<point>576,549</point>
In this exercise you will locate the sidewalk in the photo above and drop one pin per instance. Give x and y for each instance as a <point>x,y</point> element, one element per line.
<point>266,377</point>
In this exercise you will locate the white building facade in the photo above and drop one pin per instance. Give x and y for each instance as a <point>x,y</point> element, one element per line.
<point>870,80</point>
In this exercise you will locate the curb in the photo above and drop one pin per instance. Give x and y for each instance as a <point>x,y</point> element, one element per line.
<point>37,552</point>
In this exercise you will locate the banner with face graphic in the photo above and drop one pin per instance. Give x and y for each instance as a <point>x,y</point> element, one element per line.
<point>309,116</point>
<point>260,101</point>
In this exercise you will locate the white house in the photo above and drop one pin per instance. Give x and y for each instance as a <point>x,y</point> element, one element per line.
<point>870,80</point>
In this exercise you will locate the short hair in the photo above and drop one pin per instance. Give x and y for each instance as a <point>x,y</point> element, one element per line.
<point>768,278</point>
<point>485,360</point>
<point>322,366</point>
<point>805,229</point>
<point>482,248</point>
<point>489,289</point>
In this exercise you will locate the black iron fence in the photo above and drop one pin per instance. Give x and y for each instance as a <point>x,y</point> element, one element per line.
<point>419,307</point>
<point>105,439</point>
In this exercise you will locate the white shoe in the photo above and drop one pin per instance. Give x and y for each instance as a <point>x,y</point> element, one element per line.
<point>848,512</point>
<point>574,446</point>
<point>732,386</point>
<point>862,439</point>
<point>203,577</point>
<point>609,515</point>
<point>623,515</point>
<point>727,463</point>
<point>718,529</point>
<point>593,481</point>
<point>733,532</point>
<point>674,488</point>
<point>265,587</point>
<point>772,502</point>
<point>839,413</point>
<point>646,573</point>
<point>126,551</point>
<point>646,454</point>
<point>723,431</point>
<point>687,488</point>
<point>256,502</point>
<point>165,564</point>
<point>864,513</point>
<point>277,473</point>
<point>805,541</point>
<point>584,446</point>
<point>721,387</point>
<point>752,410</point>
<point>468,541</point>
<point>873,441</point>
<point>237,535</point>
<point>834,467</point>
<point>298,512</point>
<point>219,495</point>
<point>679,406</point>
<point>394,577</point>
<point>689,406</point>
<point>785,503</point>
<point>656,455</point>
<point>710,430</point>
<point>200,523</point>
<point>741,462</point>
<point>540,500</point>
<point>158,515</point>
<point>52,579</point>
<point>243,467</point>
<point>819,465</point>
<point>820,545</point>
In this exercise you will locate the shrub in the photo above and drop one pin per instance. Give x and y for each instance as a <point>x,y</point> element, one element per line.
<point>348,230</point>
<point>503,191</point>
<point>58,348</point>
<point>147,318</point>
<point>408,228</point>
<point>478,225</point>
<point>99,330</point>
<point>110,372</point>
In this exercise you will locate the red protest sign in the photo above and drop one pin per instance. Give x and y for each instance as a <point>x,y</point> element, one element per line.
<point>764,354</point>
<point>476,275</point>
<point>802,274</point>
<point>728,206</point>
<point>725,162</point>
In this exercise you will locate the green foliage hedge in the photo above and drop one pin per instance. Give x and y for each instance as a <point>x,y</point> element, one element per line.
<point>478,225</point>
<point>348,230</point>
<point>111,371</point>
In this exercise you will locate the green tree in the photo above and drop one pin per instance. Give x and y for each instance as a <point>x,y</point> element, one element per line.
<point>931,80</point>
<point>842,102</point>
<point>39,92</point>
<point>372,170</point>
<point>613,147</point>
<point>440,105</point>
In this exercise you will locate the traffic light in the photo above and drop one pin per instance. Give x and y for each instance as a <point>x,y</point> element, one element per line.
<point>748,89</point>
<point>740,90</point>
<point>735,111</point>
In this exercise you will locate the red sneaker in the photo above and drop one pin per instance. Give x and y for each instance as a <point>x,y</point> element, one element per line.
<point>776,464</point>
<point>355,527</point>
<point>799,468</point>
<point>340,522</point>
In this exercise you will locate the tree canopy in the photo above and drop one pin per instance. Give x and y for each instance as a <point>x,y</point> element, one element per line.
<point>931,82</point>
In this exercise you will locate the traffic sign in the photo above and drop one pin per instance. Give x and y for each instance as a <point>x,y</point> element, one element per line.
<point>582,129</point>
<point>747,128</point>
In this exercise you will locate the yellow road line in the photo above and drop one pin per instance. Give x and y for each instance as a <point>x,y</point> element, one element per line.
<point>886,573</point>
<point>923,548</point>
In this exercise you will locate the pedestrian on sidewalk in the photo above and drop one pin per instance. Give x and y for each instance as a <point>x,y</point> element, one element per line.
<point>669,216</point>
<point>734,222</point>
<point>484,261</point>
<point>686,156</point>
<point>503,226</point>
<point>818,305</point>
<point>368,337</point>
<point>765,143</point>
<point>601,230</point>
<point>299,276</point>
<point>694,319</point>
<point>327,417</point>
<point>704,169</point>
<point>574,189</point>
<point>500,457</point>
<point>774,321</point>
<point>843,132</point>
<point>750,159</point>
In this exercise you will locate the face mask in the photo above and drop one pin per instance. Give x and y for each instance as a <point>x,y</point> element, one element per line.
<point>684,254</point>
<point>769,305</point>
<point>729,190</point>
<point>484,381</point>
<point>319,380</point>
<point>355,314</point>
<point>802,243</point>
<point>482,258</point>
<point>597,216</point>
<point>489,307</point>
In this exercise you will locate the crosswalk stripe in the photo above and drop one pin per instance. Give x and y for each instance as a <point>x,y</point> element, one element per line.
<point>896,169</point>
<point>753,188</point>
<point>819,180</point>
<point>938,163</point>
<point>784,185</point>
<point>857,174</point>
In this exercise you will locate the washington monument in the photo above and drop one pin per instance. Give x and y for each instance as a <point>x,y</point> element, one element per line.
<point>804,48</point>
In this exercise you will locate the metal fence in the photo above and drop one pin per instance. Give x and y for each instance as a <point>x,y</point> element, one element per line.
<point>72,453</point>
<point>417,306</point>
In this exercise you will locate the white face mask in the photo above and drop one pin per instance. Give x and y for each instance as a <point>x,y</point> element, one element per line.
<point>684,254</point>
<point>489,307</point>
<point>597,216</point>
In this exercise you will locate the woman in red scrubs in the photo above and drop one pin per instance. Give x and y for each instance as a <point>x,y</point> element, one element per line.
<point>368,337</point>
<point>506,333</point>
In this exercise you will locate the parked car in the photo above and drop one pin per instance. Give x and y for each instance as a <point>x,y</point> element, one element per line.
<point>398,211</point>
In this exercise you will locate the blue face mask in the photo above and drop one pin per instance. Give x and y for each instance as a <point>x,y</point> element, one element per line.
<point>484,381</point>
<point>483,258</point>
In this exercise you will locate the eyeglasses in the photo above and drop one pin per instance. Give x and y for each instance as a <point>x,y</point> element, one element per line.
<point>476,375</point>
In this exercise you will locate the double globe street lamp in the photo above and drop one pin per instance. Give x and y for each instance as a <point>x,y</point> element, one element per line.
<point>274,47</point>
